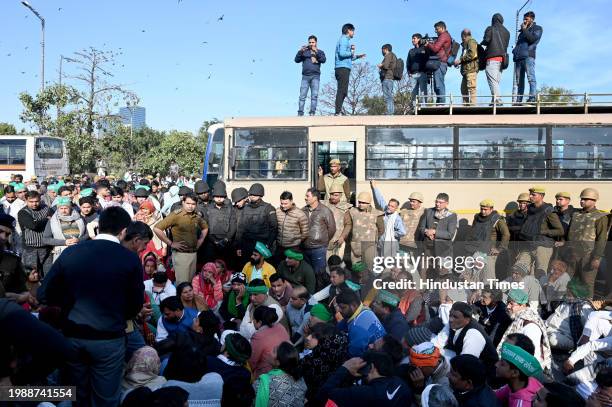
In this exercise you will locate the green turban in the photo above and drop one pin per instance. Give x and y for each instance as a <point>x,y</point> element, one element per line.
<point>257,289</point>
<point>578,288</point>
<point>321,312</point>
<point>292,254</point>
<point>86,192</point>
<point>519,296</point>
<point>263,250</point>
<point>359,266</point>
<point>63,201</point>
<point>523,360</point>
<point>388,298</point>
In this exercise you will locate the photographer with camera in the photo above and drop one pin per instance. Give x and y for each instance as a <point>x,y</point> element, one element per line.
<point>524,58</point>
<point>469,66</point>
<point>415,65</point>
<point>345,55</point>
<point>386,68</point>
<point>441,47</point>
<point>311,58</point>
<point>496,39</point>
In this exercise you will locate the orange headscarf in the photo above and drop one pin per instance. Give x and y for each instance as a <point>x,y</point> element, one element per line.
<point>423,359</point>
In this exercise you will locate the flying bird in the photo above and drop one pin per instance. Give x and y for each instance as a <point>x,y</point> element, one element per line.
<point>143,31</point>
<point>22,72</point>
<point>221,18</point>
<point>253,60</point>
<point>8,55</point>
<point>209,75</point>
<point>26,47</point>
<point>204,42</point>
<point>59,9</point>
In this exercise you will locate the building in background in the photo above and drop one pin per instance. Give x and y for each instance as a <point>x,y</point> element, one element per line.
<point>134,116</point>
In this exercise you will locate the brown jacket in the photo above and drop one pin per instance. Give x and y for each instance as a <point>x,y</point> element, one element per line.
<point>321,226</point>
<point>292,226</point>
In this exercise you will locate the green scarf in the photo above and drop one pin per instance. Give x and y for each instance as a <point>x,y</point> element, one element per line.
<point>263,390</point>
<point>231,304</point>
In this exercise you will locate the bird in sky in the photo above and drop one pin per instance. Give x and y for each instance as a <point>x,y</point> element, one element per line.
<point>204,42</point>
<point>8,55</point>
<point>221,18</point>
<point>22,72</point>
<point>26,47</point>
<point>143,31</point>
<point>59,9</point>
<point>209,75</point>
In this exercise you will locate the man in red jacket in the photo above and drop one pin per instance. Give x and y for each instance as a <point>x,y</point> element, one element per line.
<point>441,48</point>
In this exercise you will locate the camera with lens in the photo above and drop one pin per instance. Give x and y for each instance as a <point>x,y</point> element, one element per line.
<point>427,39</point>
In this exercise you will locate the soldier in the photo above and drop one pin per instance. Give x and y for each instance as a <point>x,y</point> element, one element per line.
<point>411,214</point>
<point>334,177</point>
<point>202,190</point>
<point>587,236</point>
<point>258,222</point>
<point>365,224</point>
<point>438,227</point>
<point>488,237</point>
<point>239,200</point>
<point>337,244</point>
<point>221,219</point>
<point>292,226</point>
<point>538,232</point>
<point>564,211</point>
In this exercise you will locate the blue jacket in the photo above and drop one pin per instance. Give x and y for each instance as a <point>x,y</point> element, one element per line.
<point>362,330</point>
<point>527,43</point>
<point>183,325</point>
<point>396,325</point>
<point>344,56</point>
<point>308,68</point>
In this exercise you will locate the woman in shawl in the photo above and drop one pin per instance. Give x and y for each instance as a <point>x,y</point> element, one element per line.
<point>142,370</point>
<point>65,228</point>
<point>185,292</point>
<point>207,285</point>
<point>147,214</point>
<point>328,349</point>
<point>283,385</point>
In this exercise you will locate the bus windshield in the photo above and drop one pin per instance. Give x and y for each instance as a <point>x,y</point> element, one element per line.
<point>49,148</point>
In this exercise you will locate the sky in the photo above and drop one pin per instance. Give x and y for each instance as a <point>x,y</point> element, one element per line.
<point>187,65</point>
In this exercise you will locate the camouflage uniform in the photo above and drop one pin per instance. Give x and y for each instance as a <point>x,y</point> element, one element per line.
<point>339,210</point>
<point>365,228</point>
<point>326,181</point>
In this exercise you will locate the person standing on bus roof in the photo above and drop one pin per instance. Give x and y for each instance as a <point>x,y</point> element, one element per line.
<point>258,221</point>
<point>311,58</point>
<point>469,67</point>
<point>334,177</point>
<point>387,67</point>
<point>345,55</point>
<point>321,229</point>
<point>495,40</point>
<point>442,48</point>
<point>524,55</point>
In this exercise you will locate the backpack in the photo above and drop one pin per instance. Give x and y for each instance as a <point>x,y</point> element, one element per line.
<point>398,71</point>
<point>452,52</point>
<point>482,58</point>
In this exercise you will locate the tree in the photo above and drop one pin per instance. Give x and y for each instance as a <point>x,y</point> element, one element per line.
<point>363,83</point>
<point>37,109</point>
<point>7,129</point>
<point>179,146</point>
<point>557,95</point>
<point>95,90</point>
<point>123,149</point>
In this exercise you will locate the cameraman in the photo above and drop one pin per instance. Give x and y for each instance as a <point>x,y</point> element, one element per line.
<point>441,47</point>
<point>311,58</point>
<point>386,67</point>
<point>496,39</point>
<point>524,58</point>
<point>415,65</point>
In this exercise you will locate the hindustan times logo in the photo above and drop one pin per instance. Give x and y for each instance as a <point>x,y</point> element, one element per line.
<point>411,263</point>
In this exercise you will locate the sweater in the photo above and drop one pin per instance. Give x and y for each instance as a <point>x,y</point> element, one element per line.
<point>310,68</point>
<point>521,398</point>
<point>363,329</point>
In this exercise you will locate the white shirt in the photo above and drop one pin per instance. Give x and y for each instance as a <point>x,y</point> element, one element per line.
<point>534,333</point>
<point>473,342</point>
<point>105,236</point>
<point>168,291</point>
<point>603,344</point>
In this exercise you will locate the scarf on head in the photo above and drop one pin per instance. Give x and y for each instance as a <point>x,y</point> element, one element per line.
<point>263,390</point>
<point>231,303</point>
<point>528,315</point>
<point>143,368</point>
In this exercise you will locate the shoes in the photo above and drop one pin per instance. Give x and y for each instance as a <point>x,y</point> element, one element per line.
<point>311,114</point>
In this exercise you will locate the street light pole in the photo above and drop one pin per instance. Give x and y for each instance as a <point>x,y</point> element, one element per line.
<point>42,43</point>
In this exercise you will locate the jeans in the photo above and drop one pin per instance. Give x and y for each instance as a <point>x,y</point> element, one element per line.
<point>387,88</point>
<point>522,67</point>
<point>493,72</point>
<point>316,258</point>
<point>342,76</point>
<point>311,82</point>
<point>99,371</point>
<point>439,87</point>
<point>418,83</point>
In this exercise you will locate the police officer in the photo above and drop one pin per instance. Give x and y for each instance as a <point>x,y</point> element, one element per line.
<point>240,197</point>
<point>339,208</point>
<point>564,210</point>
<point>202,190</point>
<point>184,190</point>
<point>221,221</point>
<point>258,222</point>
<point>587,237</point>
<point>334,177</point>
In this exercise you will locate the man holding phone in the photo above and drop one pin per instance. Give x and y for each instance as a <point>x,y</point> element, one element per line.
<point>524,58</point>
<point>311,58</point>
<point>345,55</point>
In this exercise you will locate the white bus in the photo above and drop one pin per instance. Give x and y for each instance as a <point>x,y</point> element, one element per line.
<point>28,155</point>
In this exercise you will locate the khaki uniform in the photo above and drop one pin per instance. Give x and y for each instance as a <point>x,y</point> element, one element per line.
<point>338,211</point>
<point>365,228</point>
<point>326,181</point>
<point>587,238</point>
<point>411,220</point>
<point>469,70</point>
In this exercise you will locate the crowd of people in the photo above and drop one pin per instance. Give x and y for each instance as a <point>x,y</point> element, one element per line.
<point>428,61</point>
<point>149,293</point>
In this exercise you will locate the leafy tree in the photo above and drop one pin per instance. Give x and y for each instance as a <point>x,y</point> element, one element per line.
<point>375,105</point>
<point>124,150</point>
<point>182,147</point>
<point>7,129</point>
<point>557,94</point>
<point>363,83</point>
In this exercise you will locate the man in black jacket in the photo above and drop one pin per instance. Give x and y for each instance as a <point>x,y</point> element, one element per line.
<point>311,59</point>
<point>468,382</point>
<point>496,39</point>
<point>221,219</point>
<point>415,65</point>
<point>381,387</point>
<point>33,219</point>
<point>98,285</point>
<point>258,222</point>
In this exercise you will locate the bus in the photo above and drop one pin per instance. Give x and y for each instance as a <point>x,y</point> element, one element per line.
<point>471,154</point>
<point>32,155</point>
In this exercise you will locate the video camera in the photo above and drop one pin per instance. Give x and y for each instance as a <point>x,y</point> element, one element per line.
<point>427,39</point>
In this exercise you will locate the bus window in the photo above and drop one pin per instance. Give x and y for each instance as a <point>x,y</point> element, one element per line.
<point>13,153</point>
<point>405,153</point>
<point>49,148</point>
<point>215,157</point>
<point>502,152</point>
<point>270,153</point>
<point>582,152</point>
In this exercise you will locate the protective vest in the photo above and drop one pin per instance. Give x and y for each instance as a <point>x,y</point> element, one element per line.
<point>337,180</point>
<point>338,211</point>
<point>364,228</point>
<point>411,219</point>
